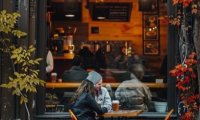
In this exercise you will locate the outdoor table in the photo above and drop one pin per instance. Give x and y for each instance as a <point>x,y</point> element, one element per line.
<point>121,114</point>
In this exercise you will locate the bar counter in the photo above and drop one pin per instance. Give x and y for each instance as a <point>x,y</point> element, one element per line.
<point>113,85</point>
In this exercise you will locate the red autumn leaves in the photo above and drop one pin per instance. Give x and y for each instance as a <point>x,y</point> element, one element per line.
<point>176,20</point>
<point>186,75</point>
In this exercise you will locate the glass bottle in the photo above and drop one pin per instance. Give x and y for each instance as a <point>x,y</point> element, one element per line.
<point>108,47</point>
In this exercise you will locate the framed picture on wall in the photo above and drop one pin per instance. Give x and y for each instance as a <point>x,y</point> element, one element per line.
<point>150,27</point>
<point>150,33</point>
<point>151,48</point>
<point>150,21</point>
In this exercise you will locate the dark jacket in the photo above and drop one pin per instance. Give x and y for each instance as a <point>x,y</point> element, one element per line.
<point>75,74</point>
<point>86,108</point>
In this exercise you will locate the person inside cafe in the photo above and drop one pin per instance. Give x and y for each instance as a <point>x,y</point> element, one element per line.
<point>100,59</point>
<point>88,58</point>
<point>49,62</point>
<point>120,61</point>
<point>102,95</point>
<point>163,73</point>
<point>76,73</point>
<point>133,94</point>
<point>84,104</point>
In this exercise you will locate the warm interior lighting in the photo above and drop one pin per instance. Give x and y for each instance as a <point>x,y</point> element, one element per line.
<point>99,1</point>
<point>101,18</point>
<point>70,15</point>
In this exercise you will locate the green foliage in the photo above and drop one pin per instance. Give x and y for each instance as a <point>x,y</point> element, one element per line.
<point>7,23</point>
<point>26,78</point>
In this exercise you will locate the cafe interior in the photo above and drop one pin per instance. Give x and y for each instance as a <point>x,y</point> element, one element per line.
<point>126,32</point>
<point>127,25</point>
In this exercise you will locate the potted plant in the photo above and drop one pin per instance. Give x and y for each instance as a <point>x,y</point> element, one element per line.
<point>25,75</point>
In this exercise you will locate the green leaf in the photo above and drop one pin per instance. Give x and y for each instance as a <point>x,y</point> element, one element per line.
<point>23,100</point>
<point>25,79</point>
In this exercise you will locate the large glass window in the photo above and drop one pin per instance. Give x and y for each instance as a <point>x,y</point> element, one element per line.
<point>121,58</point>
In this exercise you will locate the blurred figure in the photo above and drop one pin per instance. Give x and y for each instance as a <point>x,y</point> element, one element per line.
<point>102,96</point>
<point>49,62</point>
<point>88,58</point>
<point>85,52</point>
<point>163,69</point>
<point>133,94</point>
<point>120,61</point>
<point>163,72</point>
<point>133,59</point>
<point>100,59</point>
<point>84,104</point>
<point>76,73</point>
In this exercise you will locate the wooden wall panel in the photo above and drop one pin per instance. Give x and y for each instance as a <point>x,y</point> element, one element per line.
<point>123,30</point>
<point>131,30</point>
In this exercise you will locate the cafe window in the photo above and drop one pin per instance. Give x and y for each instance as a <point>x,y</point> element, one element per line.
<point>116,70</point>
<point>118,67</point>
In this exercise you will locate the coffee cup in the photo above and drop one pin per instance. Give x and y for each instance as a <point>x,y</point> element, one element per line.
<point>115,105</point>
<point>53,77</point>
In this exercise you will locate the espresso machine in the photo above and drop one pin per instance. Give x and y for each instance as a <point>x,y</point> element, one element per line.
<point>68,46</point>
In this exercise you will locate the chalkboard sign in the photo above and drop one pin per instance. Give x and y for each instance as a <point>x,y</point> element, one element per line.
<point>111,11</point>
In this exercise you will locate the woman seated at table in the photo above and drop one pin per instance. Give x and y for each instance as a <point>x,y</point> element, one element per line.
<point>133,94</point>
<point>102,95</point>
<point>84,104</point>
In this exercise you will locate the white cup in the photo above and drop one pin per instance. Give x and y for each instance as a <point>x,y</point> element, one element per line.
<point>53,77</point>
<point>159,80</point>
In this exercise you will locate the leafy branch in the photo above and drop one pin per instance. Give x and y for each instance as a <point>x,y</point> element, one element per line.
<point>25,79</point>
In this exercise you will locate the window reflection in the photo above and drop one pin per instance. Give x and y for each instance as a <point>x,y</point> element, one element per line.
<point>118,74</point>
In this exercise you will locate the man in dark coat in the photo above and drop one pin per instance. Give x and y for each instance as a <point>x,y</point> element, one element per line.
<point>76,73</point>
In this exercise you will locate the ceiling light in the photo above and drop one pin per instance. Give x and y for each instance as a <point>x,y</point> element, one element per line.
<point>101,18</point>
<point>70,15</point>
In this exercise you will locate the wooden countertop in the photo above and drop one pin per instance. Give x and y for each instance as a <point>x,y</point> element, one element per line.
<point>122,113</point>
<point>113,85</point>
<point>61,58</point>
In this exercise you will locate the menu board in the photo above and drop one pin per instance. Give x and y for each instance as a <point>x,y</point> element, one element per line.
<point>111,11</point>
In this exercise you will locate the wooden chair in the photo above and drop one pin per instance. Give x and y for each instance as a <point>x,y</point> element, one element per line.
<point>72,115</point>
<point>169,114</point>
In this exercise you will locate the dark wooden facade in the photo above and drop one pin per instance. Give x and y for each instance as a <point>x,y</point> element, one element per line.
<point>33,22</point>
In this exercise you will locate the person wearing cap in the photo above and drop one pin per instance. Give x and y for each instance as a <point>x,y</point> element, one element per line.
<point>102,96</point>
<point>84,105</point>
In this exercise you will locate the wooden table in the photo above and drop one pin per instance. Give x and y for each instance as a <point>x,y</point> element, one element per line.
<point>113,85</point>
<point>121,114</point>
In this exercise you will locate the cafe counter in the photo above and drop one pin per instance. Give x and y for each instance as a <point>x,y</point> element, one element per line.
<point>113,85</point>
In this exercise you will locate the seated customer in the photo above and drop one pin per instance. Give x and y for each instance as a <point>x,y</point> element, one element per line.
<point>133,94</point>
<point>76,73</point>
<point>84,104</point>
<point>102,96</point>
